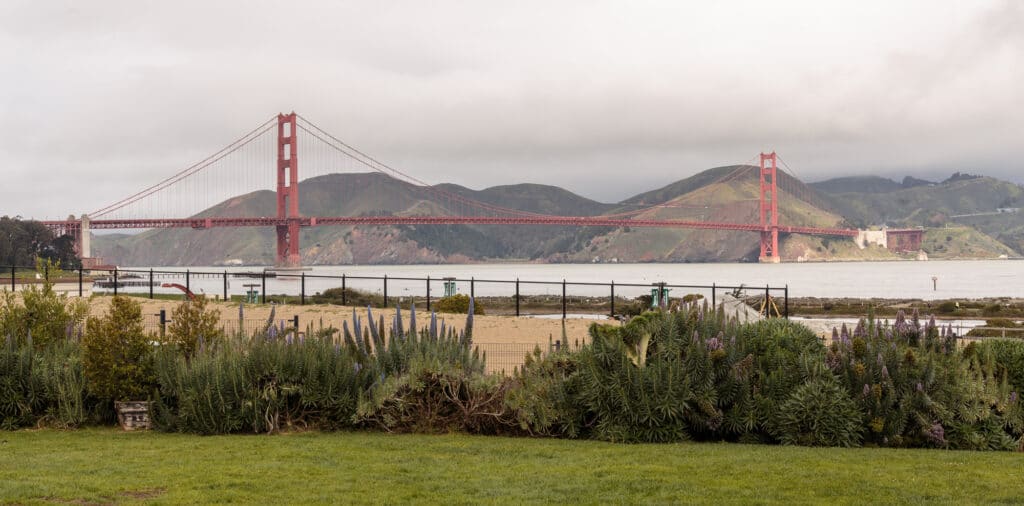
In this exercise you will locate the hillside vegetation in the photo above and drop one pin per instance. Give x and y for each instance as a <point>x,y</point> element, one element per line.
<point>723,194</point>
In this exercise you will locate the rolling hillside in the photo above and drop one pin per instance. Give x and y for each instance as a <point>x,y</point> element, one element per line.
<point>723,194</point>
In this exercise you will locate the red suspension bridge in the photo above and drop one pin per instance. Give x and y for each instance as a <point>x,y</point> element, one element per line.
<point>262,160</point>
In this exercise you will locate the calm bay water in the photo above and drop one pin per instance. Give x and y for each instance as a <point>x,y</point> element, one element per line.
<point>955,279</point>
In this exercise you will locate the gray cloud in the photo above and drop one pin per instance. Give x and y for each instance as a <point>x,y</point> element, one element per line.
<point>606,98</point>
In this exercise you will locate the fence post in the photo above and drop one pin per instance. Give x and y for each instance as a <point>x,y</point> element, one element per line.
<point>472,287</point>
<point>188,282</point>
<point>428,294</point>
<point>163,322</point>
<point>563,299</point>
<point>714,304</point>
<point>343,290</point>
<point>785,295</point>
<point>385,290</point>
<point>613,299</point>
<point>295,321</point>
<point>13,272</point>
<point>79,281</point>
<point>767,305</point>
<point>302,295</point>
<point>151,284</point>
<point>517,296</point>
<point>263,288</point>
<point>225,286</point>
<point>46,271</point>
<point>115,281</point>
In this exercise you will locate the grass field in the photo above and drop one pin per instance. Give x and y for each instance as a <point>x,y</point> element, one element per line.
<point>109,466</point>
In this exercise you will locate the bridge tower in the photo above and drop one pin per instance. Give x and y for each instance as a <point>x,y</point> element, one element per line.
<point>287,192</point>
<point>769,209</point>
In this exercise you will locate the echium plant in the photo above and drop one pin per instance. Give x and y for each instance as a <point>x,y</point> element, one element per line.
<point>914,387</point>
<point>667,376</point>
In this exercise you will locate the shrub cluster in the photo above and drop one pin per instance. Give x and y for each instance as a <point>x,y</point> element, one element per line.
<point>691,373</point>
<point>458,303</point>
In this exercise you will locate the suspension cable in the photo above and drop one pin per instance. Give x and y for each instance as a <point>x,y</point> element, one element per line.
<point>196,167</point>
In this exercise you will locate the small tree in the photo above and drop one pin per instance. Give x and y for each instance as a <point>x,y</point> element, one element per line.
<point>42,313</point>
<point>117,355</point>
<point>191,321</point>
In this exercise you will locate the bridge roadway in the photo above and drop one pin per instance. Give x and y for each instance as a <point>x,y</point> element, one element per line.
<point>578,221</point>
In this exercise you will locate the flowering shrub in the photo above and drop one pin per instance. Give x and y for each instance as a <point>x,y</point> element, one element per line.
<point>915,388</point>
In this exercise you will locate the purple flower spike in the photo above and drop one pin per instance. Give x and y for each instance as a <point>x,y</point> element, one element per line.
<point>867,390</point>
<point>1013,396</point>
<point>714,344</point>
<point>920,387</point>
<point>885,372</point>
<point>880,359</point>
<point>936,434</point>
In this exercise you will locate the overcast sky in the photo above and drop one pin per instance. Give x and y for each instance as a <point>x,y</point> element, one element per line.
<point>100,99</point>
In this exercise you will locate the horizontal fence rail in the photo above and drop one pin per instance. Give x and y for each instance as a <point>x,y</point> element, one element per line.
<point>522,297</point>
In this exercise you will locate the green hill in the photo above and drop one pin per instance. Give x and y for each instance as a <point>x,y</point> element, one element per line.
<point>723,194</point>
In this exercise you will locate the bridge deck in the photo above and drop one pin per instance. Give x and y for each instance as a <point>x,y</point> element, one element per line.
<point>579,221</point>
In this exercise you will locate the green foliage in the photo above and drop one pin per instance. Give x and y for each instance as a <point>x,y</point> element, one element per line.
<point>40,314</point>
<point>915,388</point>
<point>430,381</point>
<point>819,413</point>
<point>350,296</point>
<point>458,303</point>
<point>542,396</point>
<point>1008,355</point>
<point>702,376</point>
<point>398,379</point>
<point>436,398</point>
<point>947,307</point>
<point>118,354</point>
<point>43,386</point>
<point>261,386</point>
<point>193,324</point>
<point>22,242</point>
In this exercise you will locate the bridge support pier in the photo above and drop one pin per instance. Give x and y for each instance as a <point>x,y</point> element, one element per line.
<point>770,247</point>
<point>288,192</point>
<point>769,209</point>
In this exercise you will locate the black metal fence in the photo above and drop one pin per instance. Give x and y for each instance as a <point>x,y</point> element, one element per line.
<point>421,291</point>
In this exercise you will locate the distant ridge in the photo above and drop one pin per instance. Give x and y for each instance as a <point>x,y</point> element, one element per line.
<point>724,194</point>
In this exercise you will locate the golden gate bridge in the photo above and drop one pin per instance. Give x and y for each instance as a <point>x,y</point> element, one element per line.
<point>268,156</point>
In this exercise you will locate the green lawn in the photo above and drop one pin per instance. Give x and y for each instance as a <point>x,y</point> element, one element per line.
<point>110,466</point>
